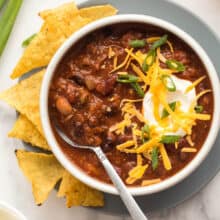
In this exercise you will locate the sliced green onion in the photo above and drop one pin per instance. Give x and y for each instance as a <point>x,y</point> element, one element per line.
<point>2,2</point>
<point>154,158</point>
<point>159,42</point>
<point>151,55</point>
<point>138,89</point>
<point>168,83</point>
<point>169,139</point>
<point>175,65</point>
<point>145,133</point>
<point>127,78</point>
<point>165,113</point>
<point>7,21</point>
<point>137,43</point>
<point>26,42</point>
<point>149,60</point>
<point>198,108</point>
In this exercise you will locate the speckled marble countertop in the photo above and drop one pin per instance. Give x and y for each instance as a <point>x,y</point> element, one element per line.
<point>15,189</point>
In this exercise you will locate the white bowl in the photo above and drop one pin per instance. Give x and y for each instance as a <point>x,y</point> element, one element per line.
<point>7,212</point>
<point>76,171</point>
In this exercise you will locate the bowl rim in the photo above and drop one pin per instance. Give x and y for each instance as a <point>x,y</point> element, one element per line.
<point>11,210</point>
<point>130,18</point>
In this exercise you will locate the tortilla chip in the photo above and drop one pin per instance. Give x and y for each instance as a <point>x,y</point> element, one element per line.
<point>25,98</point>
<point>56,11</point>
<point>97,12</point>
<point>42,170</point>
<point>77,193</point>
<point>55,30</point>
<point>23,129</point>
<point>59,24</point>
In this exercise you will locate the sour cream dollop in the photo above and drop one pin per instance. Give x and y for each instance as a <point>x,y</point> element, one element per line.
<point>179,95</point>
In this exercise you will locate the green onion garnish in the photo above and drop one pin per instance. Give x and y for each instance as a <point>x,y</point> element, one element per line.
<point>7,21</point>
<point>154,158</point>
<point>169,139</point>
<point>138,89</point>
<point>168,83</point>
<point>151,55</point>
<point>175,65</point>
<point>137,43</point>
<point>26,42</point>
<point>145,133</point>
<point>159,42</point>
<point>133,80</point>
<point>165,113</point>
<point>198,108</point>
<point>127,78</point>
<point>149,60</point>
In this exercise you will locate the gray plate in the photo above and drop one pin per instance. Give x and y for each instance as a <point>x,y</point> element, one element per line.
<point>198,30</point>
<point>209,168</point>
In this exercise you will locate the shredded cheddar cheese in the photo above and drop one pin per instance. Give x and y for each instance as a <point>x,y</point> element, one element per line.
<point>189,140</point>
<point>134,136</point>
<point>176,145</point>
<point>147,155</point>
<point>130,100</point>
<point>160,55</point>
<point>134,56</point>
<point>139,160</point>
<point>194,84</point>
<point>150,182</point>
<point>120,127</point>
<point>131,109</point>
<point>128,63</point>
<point>111,53</point>
<point>139,73</point>
<point>148,145</point>
<point>134,120</point>
<point>203,93</point>
<point>124,62</point>
<point>166,160</point>
<point>115,61</point>
<point>136,173</point>
<point>189,150</point>
<point>125,145</point>
<point>170,45</point>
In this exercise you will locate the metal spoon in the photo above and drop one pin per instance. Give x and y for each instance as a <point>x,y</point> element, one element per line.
<point>133,208</point>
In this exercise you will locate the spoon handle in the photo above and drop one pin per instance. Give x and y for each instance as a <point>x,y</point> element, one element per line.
<point>133,208</point>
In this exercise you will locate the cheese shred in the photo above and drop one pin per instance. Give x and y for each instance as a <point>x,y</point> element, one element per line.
<point>188,150</point>
<point>139,73</point>
<point>115,61</point>
<point>125,145</point>
<point>189,140</point>
<point>111,53</point>
<point>136,173</point>
<point>165,158</point>
<point>194,84</point>
<point>124,62</point>
<point>150,182</point>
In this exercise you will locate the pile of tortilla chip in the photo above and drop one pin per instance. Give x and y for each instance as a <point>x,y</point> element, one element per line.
<point>42,169</point>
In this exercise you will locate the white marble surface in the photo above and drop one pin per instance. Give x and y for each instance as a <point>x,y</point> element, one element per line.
<point>15,189</point>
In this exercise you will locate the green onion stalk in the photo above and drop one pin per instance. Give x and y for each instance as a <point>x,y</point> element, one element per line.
<point>7,21</point>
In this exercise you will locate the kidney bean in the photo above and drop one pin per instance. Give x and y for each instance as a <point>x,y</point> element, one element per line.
<point>90,82</point>
<point>63,106</point>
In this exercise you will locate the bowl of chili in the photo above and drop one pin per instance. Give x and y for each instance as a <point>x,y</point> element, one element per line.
<point>143,90</point>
